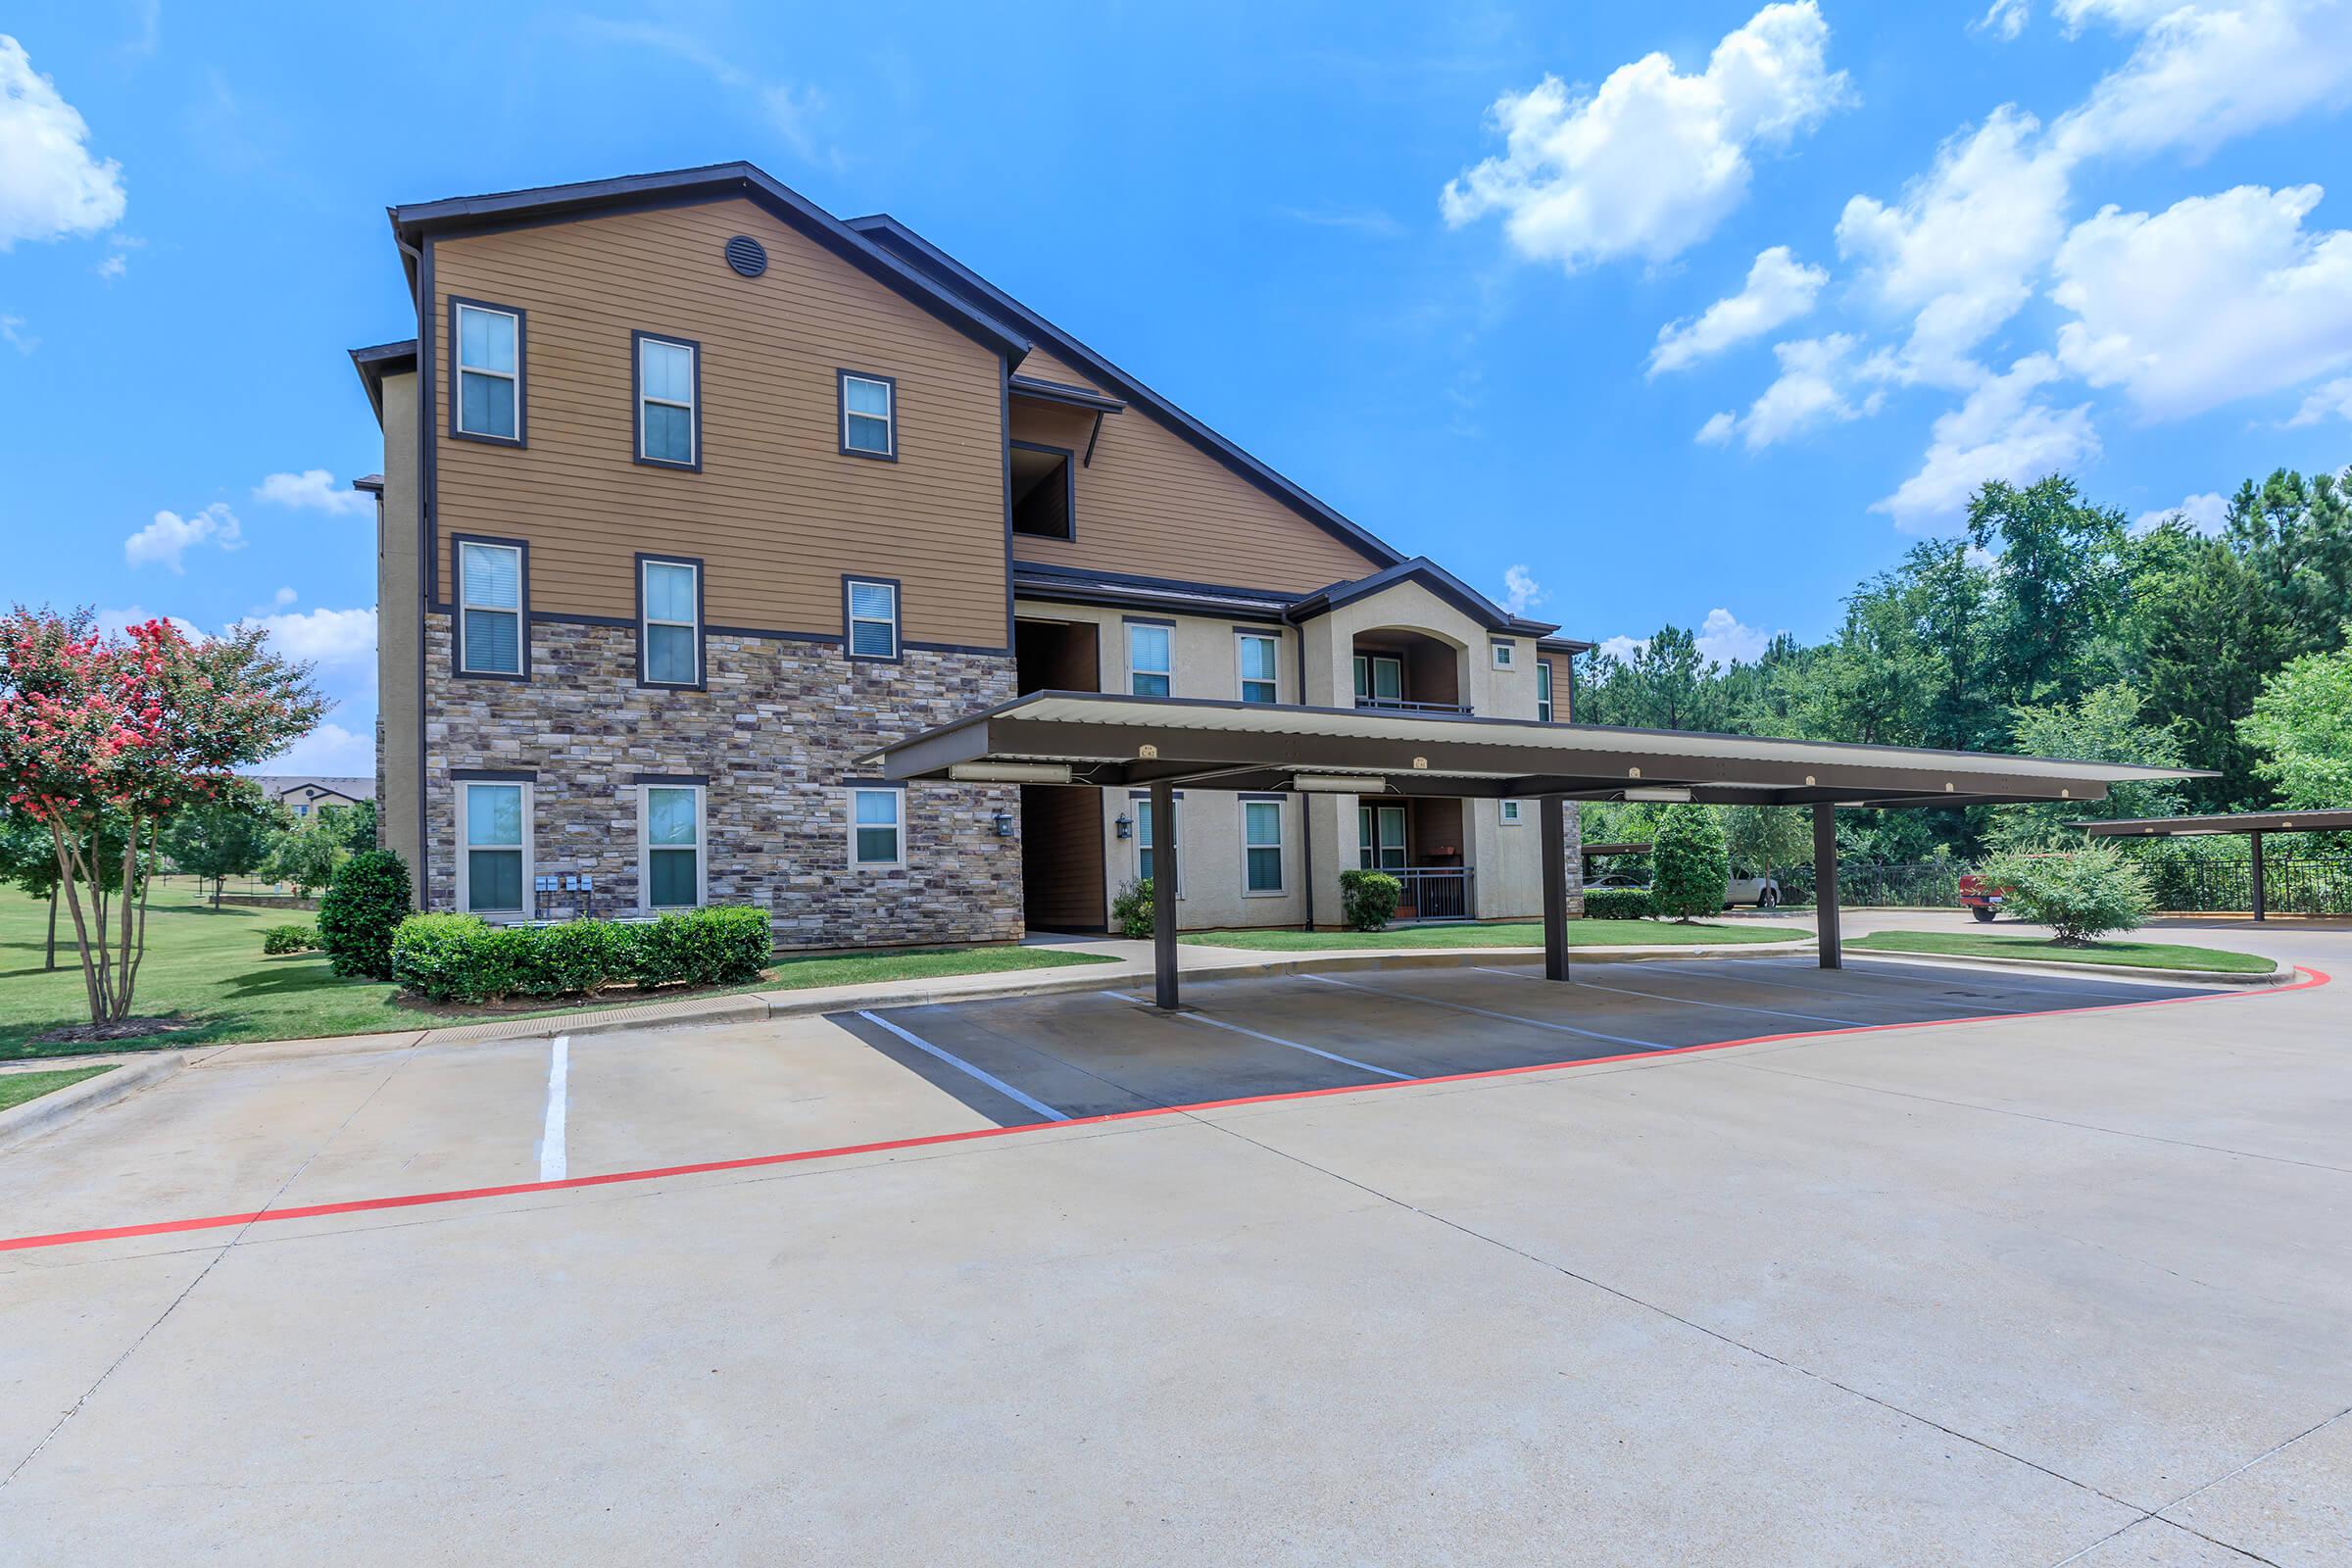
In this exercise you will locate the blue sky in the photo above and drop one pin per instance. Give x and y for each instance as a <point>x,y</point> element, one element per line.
<point>1699,313</point>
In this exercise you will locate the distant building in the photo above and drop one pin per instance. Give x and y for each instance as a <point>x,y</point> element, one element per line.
<point>302,792</point>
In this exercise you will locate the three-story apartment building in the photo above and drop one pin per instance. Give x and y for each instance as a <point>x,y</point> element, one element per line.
<point>694,494</point>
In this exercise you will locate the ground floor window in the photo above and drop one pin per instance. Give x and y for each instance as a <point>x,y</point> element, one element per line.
<point>1145,842</point>
<point>877,827</point>
<point>671,823</point>
<point>494,859</point>
<point>1261,847</point>
<point>1380,838</point>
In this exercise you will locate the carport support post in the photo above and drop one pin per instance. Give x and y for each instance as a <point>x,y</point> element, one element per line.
<point>1552,813</point>
<point>1825,885</point>
<point>2260,901</point>
<point>1163,895</point>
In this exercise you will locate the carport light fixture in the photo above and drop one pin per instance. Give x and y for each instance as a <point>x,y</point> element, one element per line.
<point>1657,791</point>
<point>1340,783</point>
<point>1011,772</point>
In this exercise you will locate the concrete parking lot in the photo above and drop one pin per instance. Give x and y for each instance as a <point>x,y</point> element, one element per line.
<point>2041,1275</point>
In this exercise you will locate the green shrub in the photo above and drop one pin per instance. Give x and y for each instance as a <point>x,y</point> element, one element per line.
<point>1131,910</point>
<point>581,958</point>
<point>2081,894</point>
<point>364,905</point>
<point>1617,903</point>
<point>1368,900</point>
<point>460,958</point>
<point>1690,866</point>
<point>709,946</point>
<point>283,938</point>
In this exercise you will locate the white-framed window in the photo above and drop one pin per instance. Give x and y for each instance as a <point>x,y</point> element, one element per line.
<point>1544,690</point>
<point>494,848</point>
<point>671,633</point>
<point>1511,813</point>
<point>1259,653</point>
<point>1378,678</point>
<point>1261,847</point>
<point>1147,861</point>
<point>489,609</point>
<point>302,810</point>
<point>872,604</point>
<point>1151,657</point>
<point>1506,656</point>
<point>669,846</point>
<point>877,827</point>
<point>489,372</point>
<point>668,395</point>
<point>869,415</point>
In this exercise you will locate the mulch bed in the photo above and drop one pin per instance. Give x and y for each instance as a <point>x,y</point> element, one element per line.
<point>120,1029</point>
<point>514,1007</point>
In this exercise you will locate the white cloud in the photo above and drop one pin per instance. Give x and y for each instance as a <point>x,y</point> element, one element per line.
<point>1650,163</point>
<point>1816,386</point>
<point>13,333</point>
<point>331,751</point>
<point>2002,430</point>
<point>314,489</point>
<point>117,622</point>
<point>791,110</point>
<point>49,184</point>
<point>1778,289</point>
<point>2006,18</point>
<point>1961,248</point>
<point>1623,649</point>
<point>2206,71</point>
<point>1725,639</point>
<point>284,597</point>
<point>1520,592</point>
<point>2335,398</point>
<point>2205,514</point>
<point>171,536</point>
<point>332,639</point>
<point>2215,299</point>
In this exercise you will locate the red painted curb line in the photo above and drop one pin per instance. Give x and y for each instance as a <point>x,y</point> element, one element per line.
<point>362,1206</point>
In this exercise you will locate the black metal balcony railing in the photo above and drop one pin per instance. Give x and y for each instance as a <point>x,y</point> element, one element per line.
<point>1403,705</point>
<point>1434,893</point>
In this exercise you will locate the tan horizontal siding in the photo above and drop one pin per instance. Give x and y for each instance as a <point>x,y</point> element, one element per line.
<point>777,514</point>
<point>1154,503</point>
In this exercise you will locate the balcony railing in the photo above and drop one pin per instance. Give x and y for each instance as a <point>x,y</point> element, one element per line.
<point>1435,893</point>
<point>1403,706</point>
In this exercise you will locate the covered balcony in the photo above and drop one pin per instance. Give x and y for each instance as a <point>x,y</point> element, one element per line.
<point>1402,670</point>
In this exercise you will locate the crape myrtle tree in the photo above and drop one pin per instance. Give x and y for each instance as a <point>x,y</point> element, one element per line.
<point>140,727</point>
<point>30,862</point>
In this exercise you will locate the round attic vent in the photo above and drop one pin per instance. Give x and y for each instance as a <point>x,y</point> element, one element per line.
<point>747,256</point>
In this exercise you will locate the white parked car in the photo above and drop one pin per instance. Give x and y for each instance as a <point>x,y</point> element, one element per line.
<point>1751,887</point>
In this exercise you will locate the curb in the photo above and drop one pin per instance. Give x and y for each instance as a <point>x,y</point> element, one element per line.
<point>58,1106</point>
<point>2278,976</point>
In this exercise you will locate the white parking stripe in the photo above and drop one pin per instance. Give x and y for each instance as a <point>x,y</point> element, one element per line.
<point>1691,1001</point>
<point>1277,1040</point>
<point>551,1163</point>
<point>1489,1012</point>
<point>1840,991</point>
<point>963,1066</point>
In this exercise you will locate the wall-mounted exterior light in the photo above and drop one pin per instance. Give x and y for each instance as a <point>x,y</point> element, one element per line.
<point>1125,824</point>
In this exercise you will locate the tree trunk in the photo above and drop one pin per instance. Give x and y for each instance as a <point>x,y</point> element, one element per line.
<point>67,860</point>
<point>51,961</point>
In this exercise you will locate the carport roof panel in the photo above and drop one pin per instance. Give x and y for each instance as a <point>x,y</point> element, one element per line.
<point>1107,735</point>
<point>2222,822</point>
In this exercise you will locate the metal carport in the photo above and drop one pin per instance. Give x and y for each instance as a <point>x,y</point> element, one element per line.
<point>1158,742</point>
<point>2253,824</point>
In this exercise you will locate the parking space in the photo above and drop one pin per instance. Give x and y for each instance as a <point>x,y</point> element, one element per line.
<point>1051,1058</point>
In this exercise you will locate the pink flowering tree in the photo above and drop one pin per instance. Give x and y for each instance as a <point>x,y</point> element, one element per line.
<point>118,733</point>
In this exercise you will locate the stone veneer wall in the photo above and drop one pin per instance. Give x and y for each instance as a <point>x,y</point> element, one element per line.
<point>776,733</point>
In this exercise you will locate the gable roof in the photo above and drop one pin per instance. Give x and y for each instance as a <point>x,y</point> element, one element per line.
<point>1438,580</point>
<point>899,240</point>
<point>549,204</point>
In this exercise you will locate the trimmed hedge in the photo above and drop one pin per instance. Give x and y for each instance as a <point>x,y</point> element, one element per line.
<point>1617,903</point>
<point>364,905</point>
<point>279,940</point>
<point>460,957</point>
<point>1368,899</point>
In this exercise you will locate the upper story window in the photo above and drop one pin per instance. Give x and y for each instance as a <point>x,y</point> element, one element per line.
<point>671,818</point>
<point>873,617</point>
<point>669,414</point>
<point>1258,654</point>
<point>1544,690</point>
<point>869,415</point>
<point>1151,657</point>
<point>1379,679</point>
<point>670,636</point>
<point>490,582</point>
<point>1506,656</point>
<point>1044,490</point>
<point>489,341</point>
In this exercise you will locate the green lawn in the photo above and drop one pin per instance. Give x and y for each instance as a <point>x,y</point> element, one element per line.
<point>1500,934</point>
<point>15,1088</point>
<point>1992,945</point>
<point>208,967</point>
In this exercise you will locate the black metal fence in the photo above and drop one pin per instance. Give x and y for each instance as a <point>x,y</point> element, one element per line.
<point>1864,884</point>
<point>2292,884</point>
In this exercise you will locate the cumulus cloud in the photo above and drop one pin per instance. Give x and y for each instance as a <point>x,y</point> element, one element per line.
<point>2203,73</point>
<point>1621,649</point>
<point>329,752</point>
<point>314,489</point>
<point>332,639</point>
<point>1778,289</point>
<point>1818,384</point>
<point>2002,430</point>
<point>1718,430</point>
<point>2006,18</point>
<point>171,536</point>
<point>1520,592</point>
<point>2205,512</point>
<point>2334,400</point>
<point>50,186</point>
<point>1650,162</point>
<point>2215,299</point>
<point>1723,638</point>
